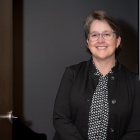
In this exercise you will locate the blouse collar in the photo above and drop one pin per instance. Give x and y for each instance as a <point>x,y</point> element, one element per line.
<point>115,69</point>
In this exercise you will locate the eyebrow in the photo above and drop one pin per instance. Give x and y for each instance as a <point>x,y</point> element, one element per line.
<point>102,32</point>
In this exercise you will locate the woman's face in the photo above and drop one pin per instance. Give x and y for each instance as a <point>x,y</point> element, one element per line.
<point>102,48</point>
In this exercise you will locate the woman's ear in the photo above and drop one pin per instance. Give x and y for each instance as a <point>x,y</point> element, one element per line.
<point>118,42</point>
<point>87,41</point>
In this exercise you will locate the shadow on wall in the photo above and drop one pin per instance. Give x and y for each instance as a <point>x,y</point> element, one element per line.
<point>129,53</point>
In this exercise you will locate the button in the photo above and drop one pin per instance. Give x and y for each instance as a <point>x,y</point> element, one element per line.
<point>113,101</point>
<point>112,77</point>
<point>111,130</point>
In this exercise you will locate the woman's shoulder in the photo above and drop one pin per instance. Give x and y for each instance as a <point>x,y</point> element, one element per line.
<point>126,69</point>
<point>75,69</point>
<point>82,64</point>
<point>128,72</point>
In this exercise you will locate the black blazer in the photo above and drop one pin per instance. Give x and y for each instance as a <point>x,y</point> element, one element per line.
<point>73,100</point>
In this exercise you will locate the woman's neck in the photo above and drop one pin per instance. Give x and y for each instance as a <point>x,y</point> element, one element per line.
<point>104,66</point>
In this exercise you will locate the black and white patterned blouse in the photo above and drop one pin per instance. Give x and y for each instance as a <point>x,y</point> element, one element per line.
<point>99,109</point>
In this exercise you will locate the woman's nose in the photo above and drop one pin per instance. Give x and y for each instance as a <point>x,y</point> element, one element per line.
<point>100,38</point>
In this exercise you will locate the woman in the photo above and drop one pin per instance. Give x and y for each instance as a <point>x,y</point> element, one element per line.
<point>98,99</point>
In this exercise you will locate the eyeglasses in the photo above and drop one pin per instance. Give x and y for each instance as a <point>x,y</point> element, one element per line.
<point>108,35</point>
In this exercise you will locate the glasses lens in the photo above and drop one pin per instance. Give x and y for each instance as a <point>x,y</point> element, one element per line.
<point>107,35</point>
<point>94,36</point>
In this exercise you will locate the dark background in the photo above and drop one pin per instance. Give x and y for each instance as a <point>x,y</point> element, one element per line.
<point>50,37</point>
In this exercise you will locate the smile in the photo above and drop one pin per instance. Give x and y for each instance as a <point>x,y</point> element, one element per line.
<point>101,47</point>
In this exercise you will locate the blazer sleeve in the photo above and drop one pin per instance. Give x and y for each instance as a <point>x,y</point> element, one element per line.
<point>133,130</point>
<point>65,129</point>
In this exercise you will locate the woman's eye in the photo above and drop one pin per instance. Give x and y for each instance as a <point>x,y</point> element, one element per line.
<point>106,34</point>
<point>94,35</point>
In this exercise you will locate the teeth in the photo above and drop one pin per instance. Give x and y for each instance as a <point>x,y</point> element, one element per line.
<point>101,47</point>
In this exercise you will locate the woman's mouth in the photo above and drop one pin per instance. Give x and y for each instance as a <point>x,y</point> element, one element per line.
<point>101,47</point>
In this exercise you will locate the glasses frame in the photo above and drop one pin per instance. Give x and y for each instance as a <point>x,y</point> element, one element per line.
<point>102,35</point>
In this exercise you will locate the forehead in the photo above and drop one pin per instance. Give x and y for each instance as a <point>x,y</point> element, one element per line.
<point>100,26</point>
